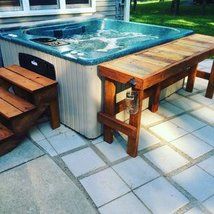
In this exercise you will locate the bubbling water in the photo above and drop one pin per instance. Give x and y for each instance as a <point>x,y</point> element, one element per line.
<point>103,42</point>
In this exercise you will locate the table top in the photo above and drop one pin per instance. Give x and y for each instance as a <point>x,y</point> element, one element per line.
<point>153,65</point>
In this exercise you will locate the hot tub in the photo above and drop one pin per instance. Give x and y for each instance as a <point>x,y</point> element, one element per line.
<point>75,49</point>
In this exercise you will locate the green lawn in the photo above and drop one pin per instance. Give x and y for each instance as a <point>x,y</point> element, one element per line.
<point>155,12</point>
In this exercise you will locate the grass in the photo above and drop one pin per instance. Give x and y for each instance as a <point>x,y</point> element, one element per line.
<point>155,12</point>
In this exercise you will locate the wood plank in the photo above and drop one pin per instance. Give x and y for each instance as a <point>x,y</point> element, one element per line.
<point>151,60</point>
<point>15,101</point>
<point>210,87</point>
<point>155,57</point>
<point>8,111</point>
<point>203,38</point>
<point>31,75</point>
<point>117,124</point>
<point>5,133</point>
<point>176,49</point>
<point>165,55</point>
<point>203,74</point>
<point>190,46</point>
<point>109,107</point>
<point>19,80</point>
<point>194,43</point>
<point>119,75</point>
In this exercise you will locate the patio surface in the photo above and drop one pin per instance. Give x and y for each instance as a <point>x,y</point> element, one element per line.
<point>58,171</point>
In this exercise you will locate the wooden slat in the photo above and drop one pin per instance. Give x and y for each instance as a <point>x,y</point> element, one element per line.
<point>31,75</point>
<point>151,60</point>
<point>165,55</point>
<point>8,111</point>
<point>175,48</point>
<point>194,43</point>
<point>19,80</point>
<point>189,46</point>
<point>5,132</point>
<point>15,101</point>
<point>117,124</point>
<point>155,57</point>
<point>202,38</point>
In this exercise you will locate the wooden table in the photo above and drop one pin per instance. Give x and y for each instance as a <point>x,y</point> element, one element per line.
<point>151,70</point>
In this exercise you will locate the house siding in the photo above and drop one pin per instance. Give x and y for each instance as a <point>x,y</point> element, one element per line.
<point>103,7</point>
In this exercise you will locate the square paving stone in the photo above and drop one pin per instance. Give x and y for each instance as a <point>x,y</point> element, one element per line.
<point>209,204</point>
<point>186,93</point>
<point>126,204</point>
<point>135,172</point>
<point>194,210</point>
<point>36,135</point>
<point>206,134</point>
<point>23,153</point>
<point>161,197</point>
<point>40,186</point>
<point>113,151</point>
<point>208,165</point>
<point>185,103</point>
<point>149,118</point>
<point>166,159</point>
<point>202,99</point>
<point>204,114</point>
<point>146,139</point>
<point>66,141</point>
<point>104,186</point>
<point>197,182</point>
<point>83,161</point>
<point>192,146</point>
<point>47,131</point>
<point>187,122</point>
<point>168,131</point>
<point>166,109</point>
<point>47,147</point>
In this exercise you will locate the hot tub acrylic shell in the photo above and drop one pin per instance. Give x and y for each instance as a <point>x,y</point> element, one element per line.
<point>80,88</point>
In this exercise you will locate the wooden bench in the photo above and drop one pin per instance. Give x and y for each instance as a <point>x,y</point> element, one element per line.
<point>150,70</point>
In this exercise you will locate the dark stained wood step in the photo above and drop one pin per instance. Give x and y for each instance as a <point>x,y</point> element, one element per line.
<point>20,81</point>
<point>12,106</point>
<point>5,133</point>
<point>16,101</point>
<point>37,78</point>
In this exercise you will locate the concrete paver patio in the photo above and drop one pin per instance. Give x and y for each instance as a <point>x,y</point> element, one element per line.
<point>58,171</point>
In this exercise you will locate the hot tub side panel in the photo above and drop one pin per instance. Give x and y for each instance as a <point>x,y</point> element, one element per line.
<point>79,89</point>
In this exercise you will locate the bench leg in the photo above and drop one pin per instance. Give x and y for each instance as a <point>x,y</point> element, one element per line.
<point>54,111</point>
<point>135,120</point>
<point>109,108</point>
<point>154,99</point>
<point>191,79</point>
<point>210,87</point>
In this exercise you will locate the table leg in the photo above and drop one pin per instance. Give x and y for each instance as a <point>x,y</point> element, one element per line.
<point>135,120</point>
<point>154,99</point>
<point>109,107</point>
<point>210,87</point>
<point>191,79</point>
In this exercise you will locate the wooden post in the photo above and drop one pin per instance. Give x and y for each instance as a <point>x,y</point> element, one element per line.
<point>135,120</point>
<point>54,111</point>
<point>109,107</point>
<point>154,99</point>
<point>210,87</point>
<point>191,78</point>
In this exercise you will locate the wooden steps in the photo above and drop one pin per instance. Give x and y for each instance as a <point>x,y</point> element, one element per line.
<point>24,97</point>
